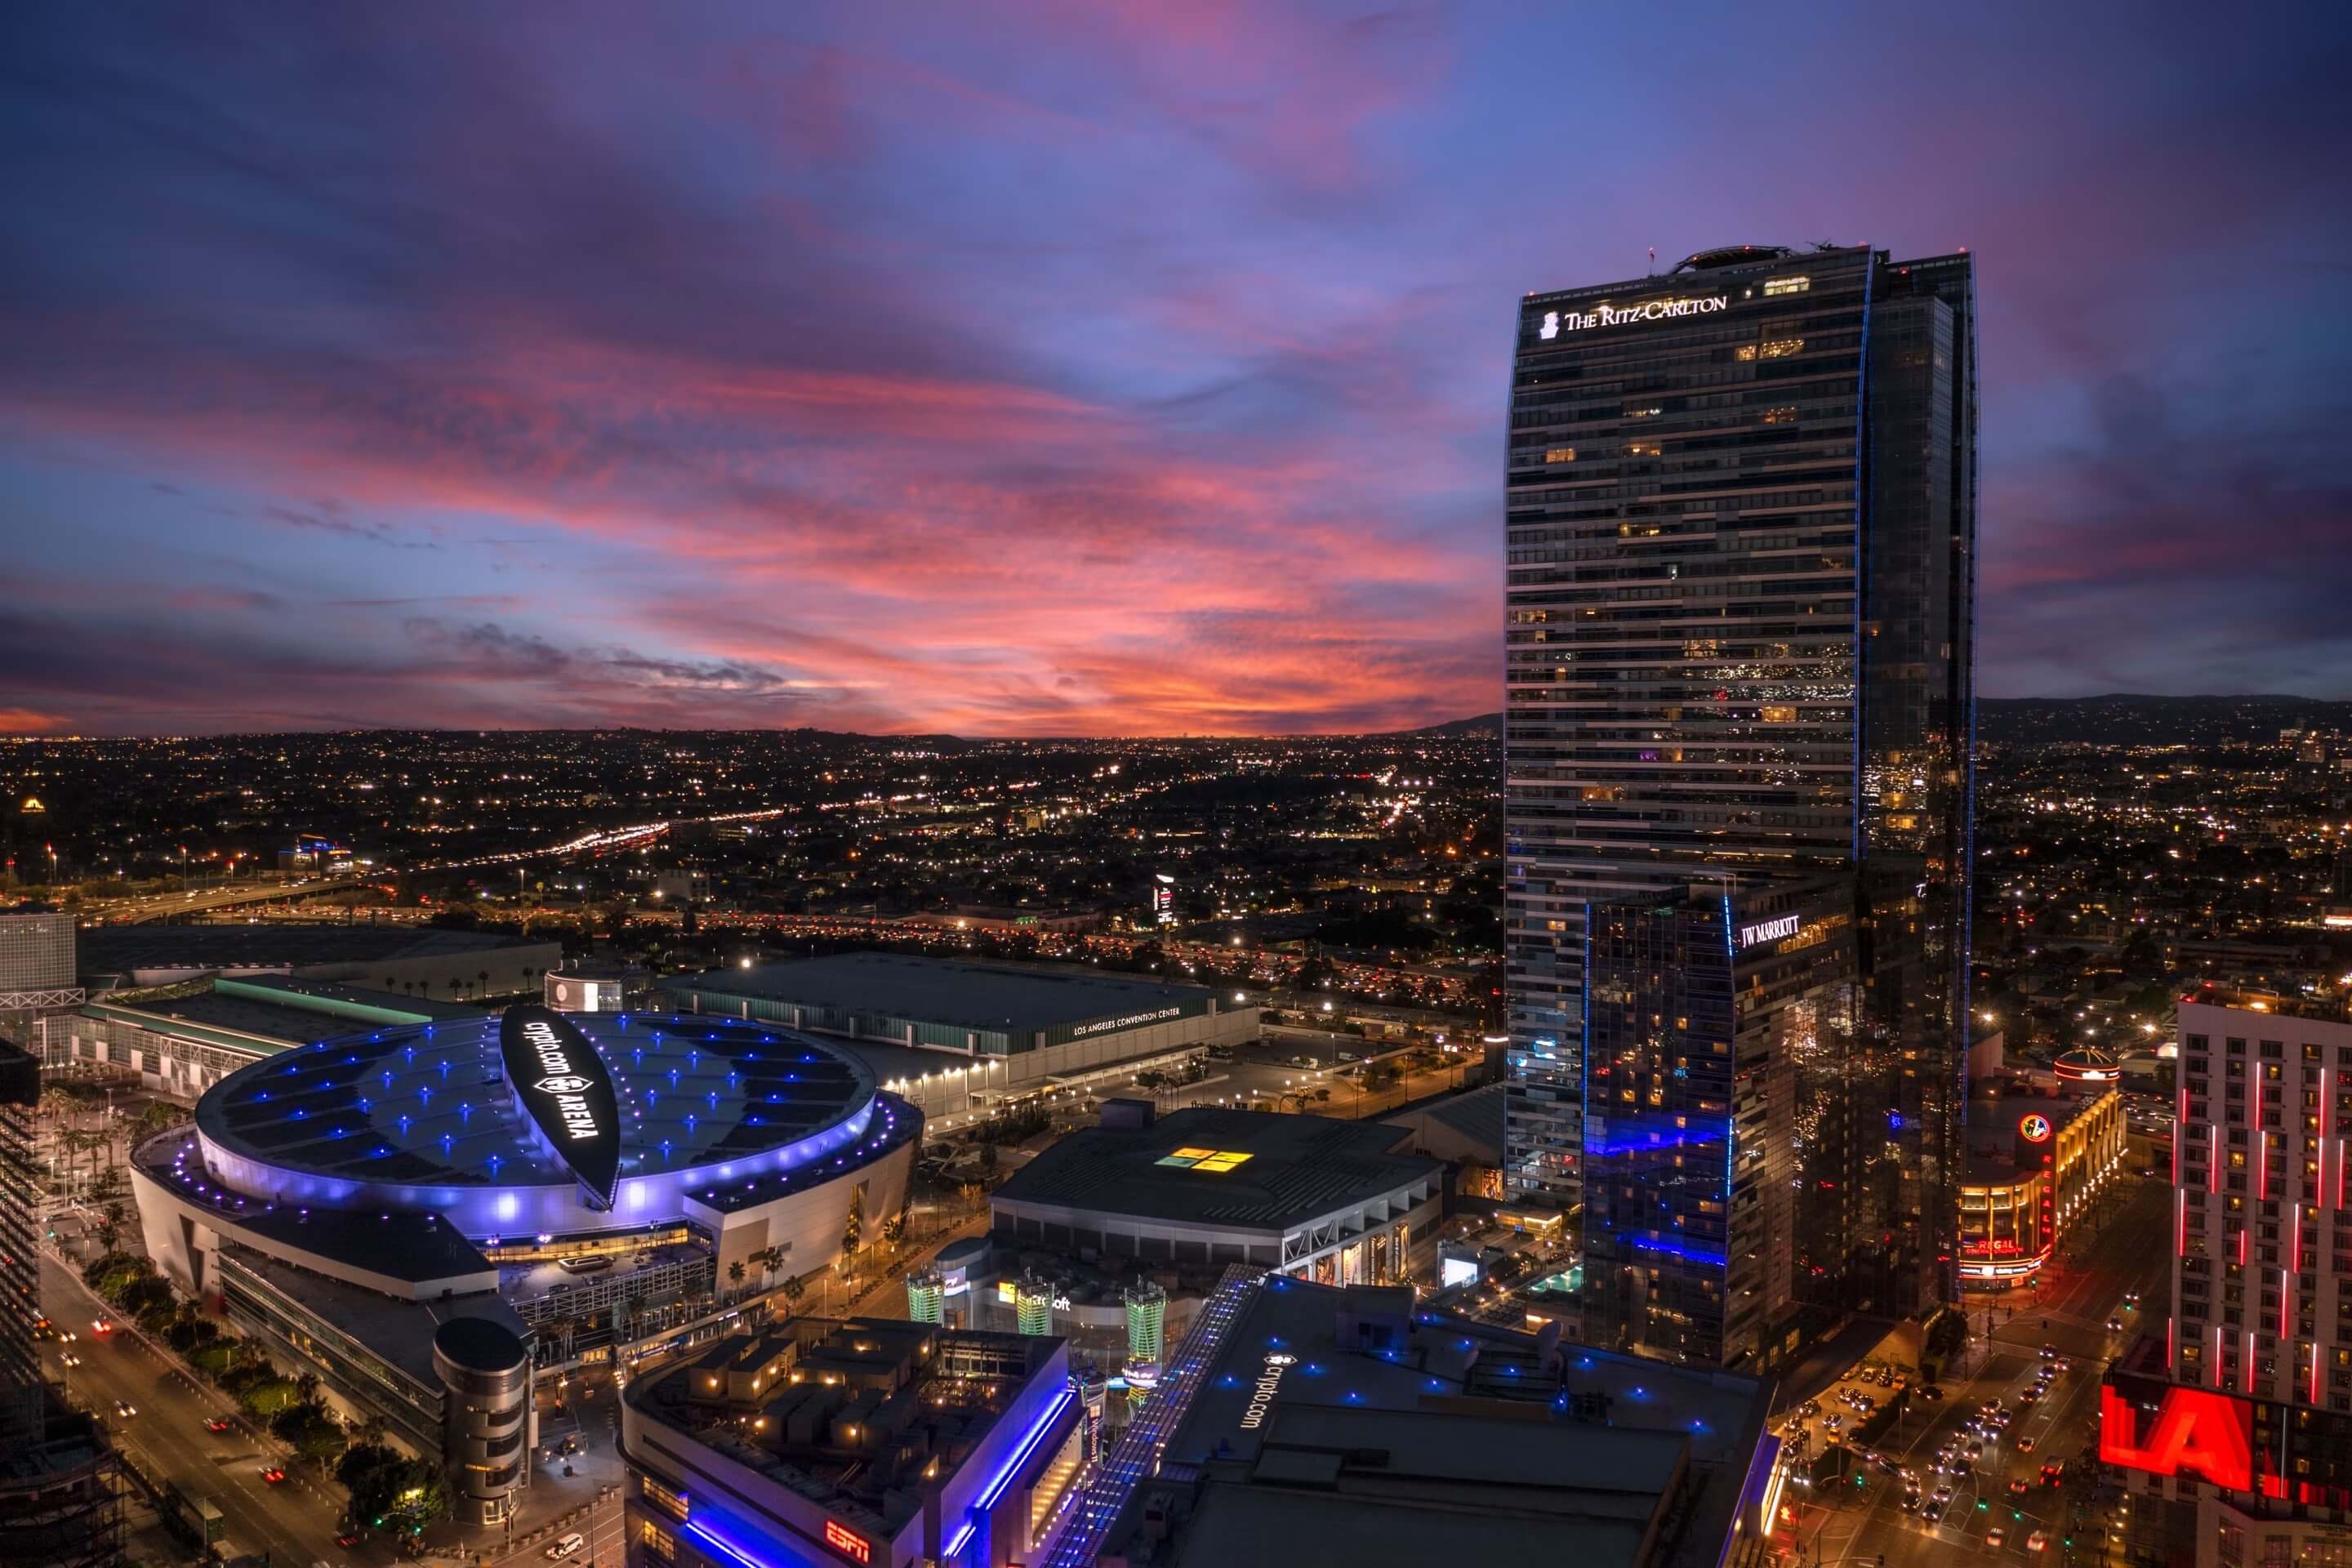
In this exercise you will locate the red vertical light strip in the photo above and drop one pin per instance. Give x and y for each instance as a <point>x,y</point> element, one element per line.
<point>2213,1164</point>
<point>2315,1373</point>
<point>2241,1246</point>
<point>2287,1301</point>
<point>2261,1163</point>
<point>2180,1222</point>
<point>2246,1356</point>
<point>2218,1380</point>
<point>2172,1342</point>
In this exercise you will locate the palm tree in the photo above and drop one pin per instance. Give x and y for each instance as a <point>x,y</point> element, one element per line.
<point>735,1275</point>
<point>482,982</point>
<point>794,1288</point>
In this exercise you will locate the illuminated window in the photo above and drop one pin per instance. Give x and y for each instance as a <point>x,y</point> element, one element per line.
<point>1787,285</point>
<point>1780,713</point>
<point>1785,414</point>
<point>1781,348</point>
<point>1643,448</point>
<point>1560,455</point>
<point>1644,411</point>
<point>673,1504</point>
<point>657,1539</point>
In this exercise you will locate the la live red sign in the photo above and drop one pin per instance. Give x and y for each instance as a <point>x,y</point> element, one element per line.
<point>2196,1432</point>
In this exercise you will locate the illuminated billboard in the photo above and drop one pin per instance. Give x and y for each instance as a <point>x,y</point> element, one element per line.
<point>2285,1452</point>
<point>564,1091</point>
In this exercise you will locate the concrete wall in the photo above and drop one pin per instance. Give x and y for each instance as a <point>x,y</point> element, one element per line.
<point>811,1222</point>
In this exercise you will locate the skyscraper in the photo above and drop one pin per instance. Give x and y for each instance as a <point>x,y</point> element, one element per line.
<point>1741,512</point>
<point>2230,1419</point>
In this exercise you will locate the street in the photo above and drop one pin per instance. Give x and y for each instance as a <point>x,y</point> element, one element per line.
<point>295,1522</point>
<point>1868,1522</point>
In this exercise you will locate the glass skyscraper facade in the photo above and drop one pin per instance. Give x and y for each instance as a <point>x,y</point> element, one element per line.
<point>1741,513</point>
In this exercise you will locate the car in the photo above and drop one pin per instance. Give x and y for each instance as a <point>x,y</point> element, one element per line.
<point>567,1546</point>
<point>216,1423</point>
<point>125,1409</point>
<point>2019,1486</point>
<point>272,1473</point>
<point>1975,1451</point>
<point>1833,1422</point>
<point>2114,1325</point>
<point>347,1538</point>
<point>103,1325</point>
<point>1910,1503</point>
<point>2025,1444</point>
<point>1995,1536</point>
<point>1944,1492</point>
<point>2049,1352</point>
<point>1931,1510</point>
<point>2030,1397</point>
<point>2061,1364</point>
<point>70,1359</point>
<point>2038,1541</point>
<point>1931,1390</point>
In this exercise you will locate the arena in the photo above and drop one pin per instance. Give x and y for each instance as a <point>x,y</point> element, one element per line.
<point>347,1200</point>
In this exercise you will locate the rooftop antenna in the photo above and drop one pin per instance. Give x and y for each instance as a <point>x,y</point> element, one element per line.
<point>1653,261</point>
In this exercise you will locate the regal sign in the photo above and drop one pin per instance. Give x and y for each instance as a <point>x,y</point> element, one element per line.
<point>2197,1431</point>
<point>561,1086</point>
<point>1557,321</point>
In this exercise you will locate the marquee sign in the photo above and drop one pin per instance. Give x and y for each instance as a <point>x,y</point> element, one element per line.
<point>2034,1128</point>
<point>2197,1431</point>
<point>563,1089</point>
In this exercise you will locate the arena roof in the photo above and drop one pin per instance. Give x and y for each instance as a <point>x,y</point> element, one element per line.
<point>1242,1169</point>
<point>944,990</point>
<point>428,1104</point>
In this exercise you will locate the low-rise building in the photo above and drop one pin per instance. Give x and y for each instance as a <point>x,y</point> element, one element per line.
<point>1000,1030</point>
<point>874,1443</point>
<point>1329,1423</point>
<point>1335,1202</point>
<point>2035,1164</point>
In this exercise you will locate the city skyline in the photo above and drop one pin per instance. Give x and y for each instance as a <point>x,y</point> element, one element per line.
<point>1074,373</point>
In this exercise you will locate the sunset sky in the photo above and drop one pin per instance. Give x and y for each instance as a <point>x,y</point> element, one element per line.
<point>1085,368</point>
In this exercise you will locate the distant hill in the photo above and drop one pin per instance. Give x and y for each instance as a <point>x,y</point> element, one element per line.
<point>1492,722</point>
<point>2127,719</point>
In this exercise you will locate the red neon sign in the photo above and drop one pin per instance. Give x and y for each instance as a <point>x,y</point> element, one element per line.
<point>849,1543</point>
<point>2196,1430</point>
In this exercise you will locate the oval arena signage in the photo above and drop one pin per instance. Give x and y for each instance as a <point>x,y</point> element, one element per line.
<point>563,1087</point>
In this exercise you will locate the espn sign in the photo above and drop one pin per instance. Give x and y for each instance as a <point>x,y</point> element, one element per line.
<point>848,1541</point>
<point>2195,1431</point>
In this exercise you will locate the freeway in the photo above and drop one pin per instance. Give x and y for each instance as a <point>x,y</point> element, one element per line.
<point>295,1522</point>
<point>2128,1253</point>
<point>166,906</point>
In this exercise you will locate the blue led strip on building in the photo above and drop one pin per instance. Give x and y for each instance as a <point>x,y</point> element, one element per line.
<point>990,1493</point>
<point>725,1548</point>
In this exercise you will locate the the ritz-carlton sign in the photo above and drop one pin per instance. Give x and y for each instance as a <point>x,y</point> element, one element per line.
<point>1557,321</point>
